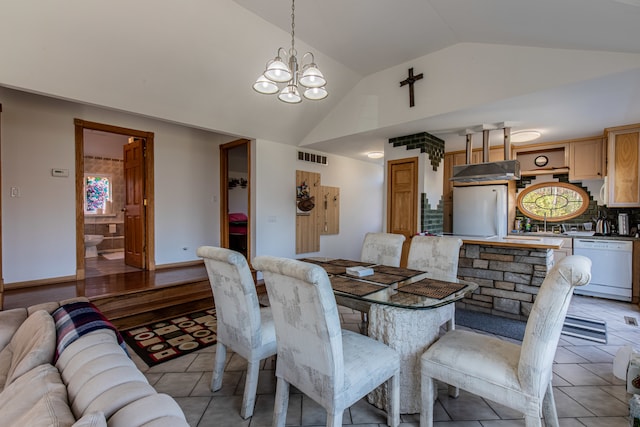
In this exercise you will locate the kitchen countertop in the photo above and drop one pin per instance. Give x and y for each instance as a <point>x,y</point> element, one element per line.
<point>516,241</point>
<point>574,235</point>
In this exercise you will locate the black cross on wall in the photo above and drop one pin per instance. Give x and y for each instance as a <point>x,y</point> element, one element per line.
<point>410,81</point>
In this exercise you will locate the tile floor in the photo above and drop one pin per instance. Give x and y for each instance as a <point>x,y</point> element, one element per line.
<point>586,392</point>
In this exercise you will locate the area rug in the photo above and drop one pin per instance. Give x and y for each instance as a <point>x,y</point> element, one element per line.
<point>579,327</point>
<point>165,340</point>
<point>113,255</point>
<point>496,325</point>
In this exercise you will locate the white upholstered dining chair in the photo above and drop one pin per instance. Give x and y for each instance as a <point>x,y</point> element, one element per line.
<point>382,248</point>
<point>242,326</point>
<point>516,376</point>
<point>436,255</point>
<point>334,367</point>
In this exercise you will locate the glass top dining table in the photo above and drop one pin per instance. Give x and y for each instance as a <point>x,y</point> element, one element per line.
<point>392,286</point>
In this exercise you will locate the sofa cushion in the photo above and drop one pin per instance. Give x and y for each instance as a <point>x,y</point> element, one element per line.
<point>156,410</point>
<point>32,344</point>
<point>37,398</point>
<point>10,321</point>
<point>51,306</point>
<point>93,419</point>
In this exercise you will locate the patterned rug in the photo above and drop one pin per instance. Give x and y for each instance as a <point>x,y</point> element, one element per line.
<point>162,341</point>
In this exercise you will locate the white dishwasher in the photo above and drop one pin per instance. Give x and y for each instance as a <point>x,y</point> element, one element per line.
<point>611,262</point>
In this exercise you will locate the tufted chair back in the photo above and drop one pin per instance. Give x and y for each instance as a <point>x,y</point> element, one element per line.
<point>436,255</point>
<point>382,248</point>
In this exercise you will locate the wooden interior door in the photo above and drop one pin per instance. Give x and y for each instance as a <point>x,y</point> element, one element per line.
<point>134,209</point>
<point>402,200</point>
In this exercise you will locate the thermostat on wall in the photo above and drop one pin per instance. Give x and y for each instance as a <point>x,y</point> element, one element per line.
<point>60,172</point>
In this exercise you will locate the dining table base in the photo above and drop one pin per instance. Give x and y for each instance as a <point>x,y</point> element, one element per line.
<point>410,333</point>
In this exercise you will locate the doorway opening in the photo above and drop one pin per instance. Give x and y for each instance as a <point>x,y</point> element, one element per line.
<point>114,199</point>
<point>235,196</point>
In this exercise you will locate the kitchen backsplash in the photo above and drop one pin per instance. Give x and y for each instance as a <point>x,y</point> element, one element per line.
<point>592,211</point>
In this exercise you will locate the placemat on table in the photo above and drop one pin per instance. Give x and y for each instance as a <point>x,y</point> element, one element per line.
<point>398,271</point>
<point>353,287</point>
<point>383,278</point>
<point>328,267</point>
<point>348,263</point>
<point>432,288</point>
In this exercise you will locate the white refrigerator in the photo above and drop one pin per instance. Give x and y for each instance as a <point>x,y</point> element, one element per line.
<point>480,210</point>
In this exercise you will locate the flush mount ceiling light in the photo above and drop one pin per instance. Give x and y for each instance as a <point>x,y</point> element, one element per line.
<point>524,135</point>
<point>279,73</point>
<point>375,155</point>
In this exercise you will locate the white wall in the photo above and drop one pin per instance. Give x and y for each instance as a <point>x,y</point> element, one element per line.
<point>361,204</point>
<point>39,226</point>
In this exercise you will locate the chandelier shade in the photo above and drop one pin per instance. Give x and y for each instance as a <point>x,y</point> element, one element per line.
<point>290,95</point>
<point>315,93</point>
<point>278,72</point>
<point>266,86</point>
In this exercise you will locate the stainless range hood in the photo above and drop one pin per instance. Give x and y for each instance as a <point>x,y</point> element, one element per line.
<point>488,171</point>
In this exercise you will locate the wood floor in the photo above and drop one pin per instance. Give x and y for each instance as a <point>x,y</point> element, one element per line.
<point>127,296</point>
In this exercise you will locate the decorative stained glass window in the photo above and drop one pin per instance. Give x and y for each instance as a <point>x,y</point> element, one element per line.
<point>557,201</point>
<point>97,189</point>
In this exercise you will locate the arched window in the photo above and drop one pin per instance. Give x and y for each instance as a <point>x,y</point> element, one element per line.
<point>557,201</point>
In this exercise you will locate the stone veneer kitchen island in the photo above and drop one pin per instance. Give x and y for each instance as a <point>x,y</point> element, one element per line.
<point>508,271</point>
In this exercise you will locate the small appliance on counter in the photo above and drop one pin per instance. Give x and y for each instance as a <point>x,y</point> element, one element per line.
<point>603,225</point>
<point>623,224</point>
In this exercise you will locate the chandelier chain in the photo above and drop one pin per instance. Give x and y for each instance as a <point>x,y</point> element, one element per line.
<point>293,27</point>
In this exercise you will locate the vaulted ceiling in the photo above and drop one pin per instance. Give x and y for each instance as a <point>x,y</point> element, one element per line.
<point>566,67</point>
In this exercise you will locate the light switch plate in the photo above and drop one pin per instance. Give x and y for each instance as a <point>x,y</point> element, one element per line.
<point>60,172</point>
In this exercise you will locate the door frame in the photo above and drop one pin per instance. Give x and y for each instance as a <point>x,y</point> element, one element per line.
<point>149,224</point>
<point>224,193</point>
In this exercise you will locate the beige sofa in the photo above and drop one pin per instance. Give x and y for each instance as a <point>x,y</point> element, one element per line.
<point>93,382</point>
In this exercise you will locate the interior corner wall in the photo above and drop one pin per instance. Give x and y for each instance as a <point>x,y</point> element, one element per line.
<point>39,224</point>
<point>361,189</point>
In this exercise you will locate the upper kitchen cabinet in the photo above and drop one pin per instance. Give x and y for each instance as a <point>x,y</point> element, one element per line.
<point>623,162</point>
<point>542,158</point>
<point>586,159</point>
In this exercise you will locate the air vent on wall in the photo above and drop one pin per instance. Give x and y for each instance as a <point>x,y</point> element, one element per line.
<point>313,158</point>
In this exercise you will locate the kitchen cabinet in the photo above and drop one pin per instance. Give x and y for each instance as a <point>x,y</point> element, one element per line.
<point>542,158</point>
<point>623,160</point>
<point>586,159</point>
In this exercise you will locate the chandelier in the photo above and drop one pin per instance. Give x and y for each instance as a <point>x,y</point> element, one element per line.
<point>278,72</point>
